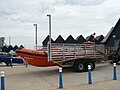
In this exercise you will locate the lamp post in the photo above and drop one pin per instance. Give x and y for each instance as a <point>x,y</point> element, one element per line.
<point>49,36</point>
<point>35,35</point>
<point>9,40</point>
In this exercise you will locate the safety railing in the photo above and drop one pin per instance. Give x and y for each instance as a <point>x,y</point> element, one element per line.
<point>72,51</point>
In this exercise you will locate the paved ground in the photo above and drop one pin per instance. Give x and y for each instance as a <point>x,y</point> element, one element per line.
<point>39,78</point>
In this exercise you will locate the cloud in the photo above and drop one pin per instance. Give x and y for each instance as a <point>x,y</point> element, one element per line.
<point>73,17</point>
<point>80,2</point>
<point>24,11</point>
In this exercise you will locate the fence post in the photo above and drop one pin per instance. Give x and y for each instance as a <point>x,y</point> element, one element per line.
<point>60,78</point>
<point>2,81</point>
<point>114,72</point>
<point>89,75</point>
<point>11,62</point>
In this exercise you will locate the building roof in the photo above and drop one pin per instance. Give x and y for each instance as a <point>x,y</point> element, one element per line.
<point>70,39</point>
<point>113,35</point>
<point>59,39</point>
<point>80,39</point>
<point>45,42</point>
<point>90,38</point>
<point>107,36</point>
<point>99,39</point>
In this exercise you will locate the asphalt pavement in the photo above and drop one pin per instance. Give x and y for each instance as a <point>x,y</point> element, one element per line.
<point>47,78</point>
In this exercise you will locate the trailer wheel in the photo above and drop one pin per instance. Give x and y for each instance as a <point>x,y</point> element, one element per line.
<point>92,64</point>
<point>79,66</point>
<point>114,62</point>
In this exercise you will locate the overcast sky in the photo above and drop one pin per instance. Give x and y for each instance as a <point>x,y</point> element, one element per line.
<point>69,17</point>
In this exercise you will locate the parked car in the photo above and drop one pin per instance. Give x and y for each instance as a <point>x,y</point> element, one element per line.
<point>9,58</point>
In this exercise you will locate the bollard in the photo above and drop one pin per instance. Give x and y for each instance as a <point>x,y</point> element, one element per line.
<point>2,81</point>
<point>11,62</point>
<point>89,75</point>
<point>60,78</point>
<point>26,63</point>
<point>114,72</point>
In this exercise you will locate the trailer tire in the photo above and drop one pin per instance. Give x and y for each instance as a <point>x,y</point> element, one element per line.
<point>114,62</point>
<point>92,64</point>
<point>79,66</point>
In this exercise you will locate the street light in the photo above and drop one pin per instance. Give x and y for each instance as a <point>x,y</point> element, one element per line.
<point>35,35</point>
<point>49,53</point>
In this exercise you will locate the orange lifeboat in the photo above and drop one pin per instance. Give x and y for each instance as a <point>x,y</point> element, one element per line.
<point>35,58</point>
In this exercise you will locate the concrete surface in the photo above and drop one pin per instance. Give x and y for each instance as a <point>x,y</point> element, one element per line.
<point>46,78</point>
